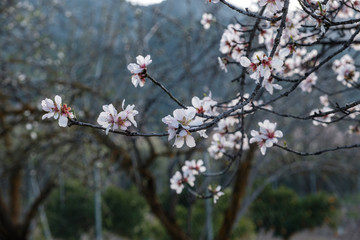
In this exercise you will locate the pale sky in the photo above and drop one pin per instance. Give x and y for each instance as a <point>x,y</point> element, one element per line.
<point>149,2</point>
<point>240,3</point>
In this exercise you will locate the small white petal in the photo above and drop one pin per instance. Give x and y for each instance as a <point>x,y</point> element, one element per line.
<point>63,121</point>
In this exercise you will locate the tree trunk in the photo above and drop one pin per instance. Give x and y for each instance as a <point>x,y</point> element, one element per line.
<point>238,193</point>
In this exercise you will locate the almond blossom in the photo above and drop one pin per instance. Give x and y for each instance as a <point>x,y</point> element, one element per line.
<point>206,20</point>
<point>232,43</point>
<point>111,119</point>
<point>345,69</point>
<point>204,106</point>
<point>267,135</point>
<point>57,110</point>
<point>217,193</point>
<point>179,126</point>
<point>321,13</point>
<point>262,66</point>
<point>139,69</point>
<point>307,84</point>
<point>178,180</point>
<point>323,120</point>
<point>273,6</point>
<point>347,75</point>
<point>194,167</point>
<point>270,85</point>
<point>324,100</point>
<point>218,146</point>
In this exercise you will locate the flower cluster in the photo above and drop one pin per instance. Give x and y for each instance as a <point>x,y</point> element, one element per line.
<point>321,13</point>
<point>57,110</point>
<point>261,65</point>
<point>206,20</point>
<point>138,70</point>
<point>205,106</point>
<point>187,175</point>
<point>267,135</point>
<point>307,84</point>
<point>272,6</point>
<point>111,119</point>
<point>226,139</point>
<point>323,120</point>
<point>232,43</point>
<point>179,125</point>
<point>345,70</point>
<point>301,61</point>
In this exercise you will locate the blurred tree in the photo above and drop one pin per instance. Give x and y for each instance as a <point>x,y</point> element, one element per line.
<point>72,214</point>
<point>124,211</point>
<point>80,50</point>
<point>285,213</point>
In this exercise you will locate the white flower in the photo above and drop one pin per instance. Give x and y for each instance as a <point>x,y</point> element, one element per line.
<point>235,140</point>
<point>130,112</point>
<point>178,180</point>
<point>347,75</point>
<point>262,66</point>
<point>273,6</point>
<point>57,110</point>
<point>267,135</point>
<point>194,167</point>
<point>217,193</point>
<point>204,106</point>
<point>206,20</point>
<point>270,85</point>
<point>324,119</point>
<point>143,62</point>
<point>111,119</point>
<point>321,13</point>
<point>218,146</point>
<point>324,100</point>
<point>179,126</point>
<point>108,118</point>
<point>135,78</point>
<point>139,69</point>
<point>231,42</point>
<point>307,84</point>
